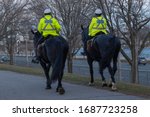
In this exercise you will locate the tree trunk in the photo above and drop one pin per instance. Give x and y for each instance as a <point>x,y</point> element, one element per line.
<point>11,57</point>
<point>134,66</point>
<point>69,63</point>
<point>11,60</point>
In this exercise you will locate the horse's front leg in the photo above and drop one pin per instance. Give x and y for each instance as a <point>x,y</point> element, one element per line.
<point>46,69</point>
<point>101,69</point>
<point>90,62</point>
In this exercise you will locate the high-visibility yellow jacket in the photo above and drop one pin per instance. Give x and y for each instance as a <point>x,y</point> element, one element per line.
<point>98,24</point>
<point>48,25</point>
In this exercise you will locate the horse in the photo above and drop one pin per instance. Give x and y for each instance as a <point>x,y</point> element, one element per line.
<point>104,49</point>
<point>53,53</point>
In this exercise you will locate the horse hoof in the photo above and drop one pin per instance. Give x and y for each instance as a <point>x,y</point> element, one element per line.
<point>104,84</point>
<point>110,85</point>
<point>48,87</point>
<point>113,88</point>
<point>61,91</point>
<point>91,84</point>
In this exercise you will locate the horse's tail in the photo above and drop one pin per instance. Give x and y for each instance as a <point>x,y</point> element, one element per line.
<point>116,53</point>
<point>106,47</point>
<point>58,64</point>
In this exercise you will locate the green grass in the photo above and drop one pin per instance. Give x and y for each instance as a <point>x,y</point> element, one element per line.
<point>24,70</point>
<point>127,88</point>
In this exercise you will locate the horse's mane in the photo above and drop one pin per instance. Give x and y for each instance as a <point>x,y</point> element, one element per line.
<point>85,33</point>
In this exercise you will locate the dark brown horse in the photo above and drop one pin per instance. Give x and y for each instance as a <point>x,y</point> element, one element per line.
<point>53,54</point>
<point>104,49</point>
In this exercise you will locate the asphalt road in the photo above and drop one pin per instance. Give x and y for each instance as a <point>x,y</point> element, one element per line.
<point>15,86</point>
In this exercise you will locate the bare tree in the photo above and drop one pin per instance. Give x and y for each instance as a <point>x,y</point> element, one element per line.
<point>10,15</point>
<point>71,14</point>
<point>129,18</point>
<point>37,7</point>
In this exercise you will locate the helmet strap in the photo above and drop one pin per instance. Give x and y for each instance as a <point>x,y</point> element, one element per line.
<point>47,14</point>
<point>98,15</point>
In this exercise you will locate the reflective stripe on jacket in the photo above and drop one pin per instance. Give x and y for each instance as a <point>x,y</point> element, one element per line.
<point>49,26</point>
<point>98,24</point>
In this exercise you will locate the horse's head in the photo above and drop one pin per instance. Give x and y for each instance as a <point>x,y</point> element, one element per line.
<point>37,35</point>
<point>85,32</point>
<point>85,37</point>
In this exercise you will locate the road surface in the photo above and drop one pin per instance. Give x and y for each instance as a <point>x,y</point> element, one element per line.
<point>15,86</point>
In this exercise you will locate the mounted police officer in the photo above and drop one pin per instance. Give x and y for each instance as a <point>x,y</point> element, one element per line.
<point>98,24</point>
<point>48,27</point>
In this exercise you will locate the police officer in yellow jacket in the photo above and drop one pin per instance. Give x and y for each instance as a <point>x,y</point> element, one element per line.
<point>49,27</point>
<point>98,24</point>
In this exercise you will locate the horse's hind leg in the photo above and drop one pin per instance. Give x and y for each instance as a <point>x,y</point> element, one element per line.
<point>60,89</point>
<point>101,69</point>
<point>112,83</point>
<point>48,82</point>
<point>115,61</point>
<point>113,70</point>
<point>46,69</point>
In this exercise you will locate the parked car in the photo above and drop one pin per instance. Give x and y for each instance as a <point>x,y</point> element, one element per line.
<point>142,60</point>
<point>4,59</point>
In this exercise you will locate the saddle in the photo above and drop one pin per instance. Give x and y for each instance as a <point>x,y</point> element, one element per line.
<point>40,48</point>
<point>41,43</point>
<point>90,43</point>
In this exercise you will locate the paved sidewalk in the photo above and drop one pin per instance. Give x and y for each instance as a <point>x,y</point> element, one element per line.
<point>15,86</point>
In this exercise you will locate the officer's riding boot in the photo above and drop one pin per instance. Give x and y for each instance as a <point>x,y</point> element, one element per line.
<point>36,57</point>
<point>37,48</point>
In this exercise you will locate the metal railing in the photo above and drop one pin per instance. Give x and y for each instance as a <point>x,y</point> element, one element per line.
<point>122,74</point>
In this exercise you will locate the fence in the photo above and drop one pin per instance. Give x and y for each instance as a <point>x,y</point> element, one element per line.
<point>122,74</point>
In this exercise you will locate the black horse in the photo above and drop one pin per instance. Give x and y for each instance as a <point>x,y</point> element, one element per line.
<point>103,49</point>
<point>52,53</point>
